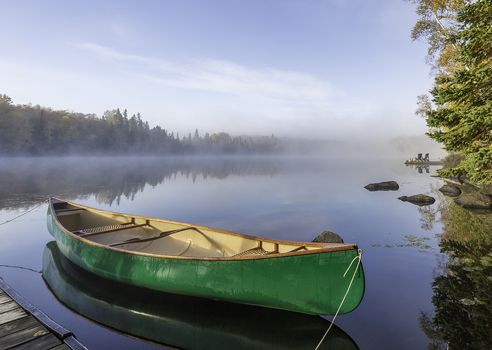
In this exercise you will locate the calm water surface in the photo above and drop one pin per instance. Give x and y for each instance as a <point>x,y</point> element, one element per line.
<point>406,247</point>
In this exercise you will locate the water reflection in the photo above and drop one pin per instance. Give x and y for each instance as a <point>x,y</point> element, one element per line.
<point>283,198</point>
<point>27,181</point>
<point>463,292</point>
<point>427,217</point>
<point>421,168</point>
<point>179,321</point>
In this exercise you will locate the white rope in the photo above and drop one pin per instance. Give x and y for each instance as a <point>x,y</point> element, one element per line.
<point>10,220</point>
<point>358,257</point>
<point>24,213</point>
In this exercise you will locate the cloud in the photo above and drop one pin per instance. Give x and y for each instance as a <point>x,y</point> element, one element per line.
<point>111,54</point>
<point>225,77</point>
<point>220,95</point>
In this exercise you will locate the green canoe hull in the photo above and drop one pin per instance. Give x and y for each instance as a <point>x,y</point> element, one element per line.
<point>181,321</point>
<point>306,283</point>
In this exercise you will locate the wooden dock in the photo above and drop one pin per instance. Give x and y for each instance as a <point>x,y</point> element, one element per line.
<point>422,162</point>
<point>23,326</point>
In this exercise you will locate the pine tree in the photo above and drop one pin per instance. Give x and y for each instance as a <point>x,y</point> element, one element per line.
<point>461,114</point>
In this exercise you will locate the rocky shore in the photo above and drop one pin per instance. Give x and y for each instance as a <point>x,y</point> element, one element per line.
<point>468,195</point>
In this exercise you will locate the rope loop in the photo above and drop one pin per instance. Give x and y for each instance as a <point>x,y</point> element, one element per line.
<point>358,256</point>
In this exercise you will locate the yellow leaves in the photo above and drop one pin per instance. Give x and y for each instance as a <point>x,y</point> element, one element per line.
<point>447,59</point>
<point>442,5</point>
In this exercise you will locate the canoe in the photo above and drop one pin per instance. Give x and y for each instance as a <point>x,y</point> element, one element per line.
<point>180,258</point>
<point>181,321</point>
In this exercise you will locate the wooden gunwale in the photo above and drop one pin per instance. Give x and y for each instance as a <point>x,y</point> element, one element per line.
<point>335,247</point>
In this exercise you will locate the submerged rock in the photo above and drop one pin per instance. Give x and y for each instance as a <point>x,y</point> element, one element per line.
<point>450,190</point>
<point>328,237</point>
<point>474,200</point>
<point>383,186</point>
<point>418,199</point>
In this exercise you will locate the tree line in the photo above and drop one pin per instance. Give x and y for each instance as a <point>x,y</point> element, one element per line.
<point>35,130</point>
<point>459,108</point>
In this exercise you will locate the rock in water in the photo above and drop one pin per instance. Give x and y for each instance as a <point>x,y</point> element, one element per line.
<point>474,200</point>
<point>418,199</point>
<point>328,237</point>
<point>450,190</point>
<point>383,186</point>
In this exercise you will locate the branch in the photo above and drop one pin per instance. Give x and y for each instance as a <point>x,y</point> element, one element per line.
<point>446,33</point>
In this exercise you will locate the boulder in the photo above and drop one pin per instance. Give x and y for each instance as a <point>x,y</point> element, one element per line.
<point>450,190</point>
<point>383,186</point>
<point>487,189</point>
<point>418,199</point>
<point>328,237</point>
<point>474,200</point>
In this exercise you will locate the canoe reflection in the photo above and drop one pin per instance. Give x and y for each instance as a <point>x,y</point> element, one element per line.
<point>180,321</point>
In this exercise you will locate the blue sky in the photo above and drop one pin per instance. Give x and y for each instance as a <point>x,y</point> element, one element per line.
<point>290,67</point>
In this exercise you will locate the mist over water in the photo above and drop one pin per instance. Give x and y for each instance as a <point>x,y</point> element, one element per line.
<point>26,180</point>
<point>29,130</point>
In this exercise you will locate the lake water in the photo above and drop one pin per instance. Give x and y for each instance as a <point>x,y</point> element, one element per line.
<point>406,248</point>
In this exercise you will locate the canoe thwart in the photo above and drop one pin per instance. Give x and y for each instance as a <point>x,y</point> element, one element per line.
<point>163,234</point>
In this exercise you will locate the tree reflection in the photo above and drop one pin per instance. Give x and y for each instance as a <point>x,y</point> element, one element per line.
<point>463,293</point>
<point>28,181</point>
<point>427,217</point>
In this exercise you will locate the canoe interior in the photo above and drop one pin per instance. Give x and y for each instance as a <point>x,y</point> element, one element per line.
<point>168,238</point>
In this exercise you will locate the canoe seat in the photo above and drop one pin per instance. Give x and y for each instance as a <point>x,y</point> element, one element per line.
<point>252,251</point>
<point>107,228</point>
<point>66,210</point>
<point>69,212</point>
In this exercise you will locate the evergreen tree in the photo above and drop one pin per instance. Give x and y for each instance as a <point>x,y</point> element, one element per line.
<point>26,129</point>
<point>460,115</point>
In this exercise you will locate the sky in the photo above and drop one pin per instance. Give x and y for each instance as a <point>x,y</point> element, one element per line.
<point>307,68</point>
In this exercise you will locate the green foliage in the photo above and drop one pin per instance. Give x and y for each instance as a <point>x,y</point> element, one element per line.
<point>452,160</point>
<point>460,116</point>
<point>34,130</point>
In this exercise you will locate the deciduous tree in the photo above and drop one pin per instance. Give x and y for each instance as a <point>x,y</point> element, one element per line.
<point>460,113</point>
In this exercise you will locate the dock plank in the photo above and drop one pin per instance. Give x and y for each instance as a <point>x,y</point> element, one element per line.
<point>10,305</point>
<point>12,315</point>
<point>22,336</point>
<point>45,342</point>
<point>17,325</point>
<point>4,298</point>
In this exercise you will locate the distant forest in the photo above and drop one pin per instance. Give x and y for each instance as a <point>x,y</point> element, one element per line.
<point>36,130</point>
